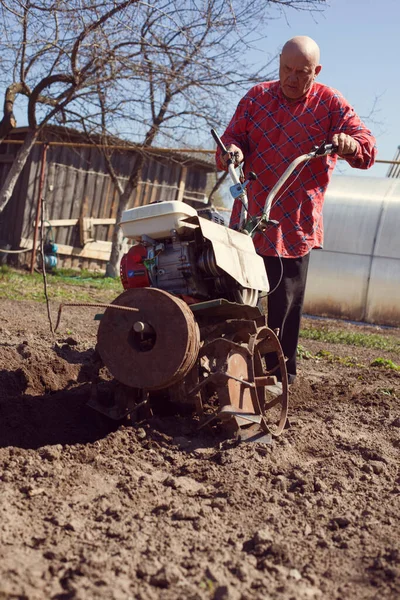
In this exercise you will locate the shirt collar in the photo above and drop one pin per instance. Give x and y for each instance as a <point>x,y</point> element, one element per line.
<point>303,99</point>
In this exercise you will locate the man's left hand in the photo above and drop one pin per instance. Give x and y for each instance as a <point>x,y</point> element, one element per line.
<point>345,144</point>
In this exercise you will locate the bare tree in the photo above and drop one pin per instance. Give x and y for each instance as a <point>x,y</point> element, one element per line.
<point>190,58</point>
<point>58,53</point>
<point>139,69</point>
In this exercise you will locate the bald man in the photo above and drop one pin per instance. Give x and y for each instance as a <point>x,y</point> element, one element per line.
<point>274,123</point>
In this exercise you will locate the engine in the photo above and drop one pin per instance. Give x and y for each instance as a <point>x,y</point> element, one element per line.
<point>184,254</point>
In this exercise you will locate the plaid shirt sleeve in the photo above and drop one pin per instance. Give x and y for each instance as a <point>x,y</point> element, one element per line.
<point>345,120</point>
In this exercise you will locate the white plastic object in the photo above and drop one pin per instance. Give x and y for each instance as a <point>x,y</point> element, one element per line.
<point>155,220</point>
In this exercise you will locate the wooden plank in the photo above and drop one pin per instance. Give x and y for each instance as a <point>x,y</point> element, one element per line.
<point>31,192</point>
<point>91,185</point>
<point>101,192</point>
<point>69,222</point>
<point>105,221</point>
<point>65,186</point>
<point>182,184</point>
<point>20,199</point>
<point>6,158</point>
<point>113,211</point>
<point>66,262</point>
<point>63,222</point>
<point>75,158</point>
<point>78,208</point>
<point>95,250</point>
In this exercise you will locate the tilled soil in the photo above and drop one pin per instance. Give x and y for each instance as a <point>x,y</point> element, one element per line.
<point>158,510</point>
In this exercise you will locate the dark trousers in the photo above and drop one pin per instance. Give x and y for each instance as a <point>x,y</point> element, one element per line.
<point>285,305</point>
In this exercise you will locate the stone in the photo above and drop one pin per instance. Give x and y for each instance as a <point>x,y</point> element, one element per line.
<point>295,574</point>
<point>377,466</point>
<point>140,433</point>
<point>168,575</point>
<point>225,592</point>
<point>51,453</point>
<point>263,536</point>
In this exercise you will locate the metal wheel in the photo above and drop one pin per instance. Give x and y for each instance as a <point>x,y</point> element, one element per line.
<point>272,399</point>
<point>247,397</point>
<point>153,348</point>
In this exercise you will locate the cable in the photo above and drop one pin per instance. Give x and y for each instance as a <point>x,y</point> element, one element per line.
<point>15,251</point>
<point>44,274</point>
<point>89,304</point>
<point>279,280</point>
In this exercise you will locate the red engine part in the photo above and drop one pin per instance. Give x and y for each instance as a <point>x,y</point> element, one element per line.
<point>133,272</point>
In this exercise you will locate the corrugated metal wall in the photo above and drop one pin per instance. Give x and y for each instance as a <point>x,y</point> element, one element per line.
<point>357,275</point>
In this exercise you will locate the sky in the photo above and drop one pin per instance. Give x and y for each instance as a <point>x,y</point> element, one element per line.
<point>359,56</point>
<point>358,41</point>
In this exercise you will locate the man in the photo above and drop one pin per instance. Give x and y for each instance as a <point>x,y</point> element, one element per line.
<point>273,124</point>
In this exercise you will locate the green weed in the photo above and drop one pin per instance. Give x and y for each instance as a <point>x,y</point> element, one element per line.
<point>302,353</point>
<point>385,363</point>
<point>365,340</point>
<point>389,392</point>
<point>347,361</point>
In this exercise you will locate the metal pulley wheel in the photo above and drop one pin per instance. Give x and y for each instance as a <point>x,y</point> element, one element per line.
<point>153,348</point>
<point>243,295</point>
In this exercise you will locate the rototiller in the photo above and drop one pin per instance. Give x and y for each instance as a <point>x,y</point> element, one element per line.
<point>187,327</point>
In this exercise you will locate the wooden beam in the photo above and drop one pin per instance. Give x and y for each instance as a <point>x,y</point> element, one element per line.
<point>7,158</point>
<point>71,222</point>
<point>182,184</point>
<point>96,250</point>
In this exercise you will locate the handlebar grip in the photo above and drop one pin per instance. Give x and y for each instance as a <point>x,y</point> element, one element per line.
<point>324,149</point>
<point>330,148</point>
<point>219,142</point>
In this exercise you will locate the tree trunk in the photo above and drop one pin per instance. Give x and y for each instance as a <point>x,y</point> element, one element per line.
<point>8,121</point>
<point>16,168</point>
<point>112,268</point>
<point>220,180</point>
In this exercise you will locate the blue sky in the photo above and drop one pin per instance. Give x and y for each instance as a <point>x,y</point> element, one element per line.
<point>359,57</point>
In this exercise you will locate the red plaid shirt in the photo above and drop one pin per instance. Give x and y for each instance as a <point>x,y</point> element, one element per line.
<point>271,132</point>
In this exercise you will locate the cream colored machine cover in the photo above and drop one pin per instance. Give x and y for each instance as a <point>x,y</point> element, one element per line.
<point>234,253</point>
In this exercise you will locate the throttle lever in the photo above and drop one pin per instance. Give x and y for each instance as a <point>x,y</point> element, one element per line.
<point>238,189</point>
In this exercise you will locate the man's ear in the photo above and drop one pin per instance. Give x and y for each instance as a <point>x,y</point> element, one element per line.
<point>318,70</point>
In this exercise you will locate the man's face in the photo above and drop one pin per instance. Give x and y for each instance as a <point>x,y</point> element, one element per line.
<point>296,74</point>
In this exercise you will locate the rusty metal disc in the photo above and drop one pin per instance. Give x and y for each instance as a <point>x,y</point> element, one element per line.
<point>157,354</point>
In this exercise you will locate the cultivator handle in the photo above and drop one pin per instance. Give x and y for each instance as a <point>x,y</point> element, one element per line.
<point>317,152</point>
<point>238,190</point>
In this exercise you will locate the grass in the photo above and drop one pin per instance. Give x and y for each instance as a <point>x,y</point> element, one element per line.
<point>350,338</point>
<point>62,285</point>
<point>347,361</point>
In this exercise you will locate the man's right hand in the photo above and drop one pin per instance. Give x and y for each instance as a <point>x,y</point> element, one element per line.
<point>234,153</point>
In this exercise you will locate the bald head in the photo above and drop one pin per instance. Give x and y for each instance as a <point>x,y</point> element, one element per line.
<point>302,45</point>
<point>299,65</point>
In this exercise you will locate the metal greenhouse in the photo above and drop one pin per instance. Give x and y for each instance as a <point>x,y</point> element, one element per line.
<point>357,274</point>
